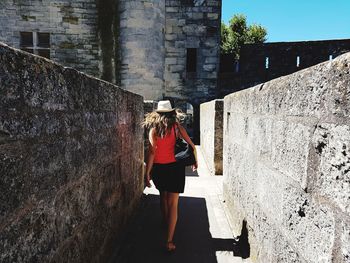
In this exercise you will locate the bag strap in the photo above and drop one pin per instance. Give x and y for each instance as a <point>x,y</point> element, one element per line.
<point>176,131</point>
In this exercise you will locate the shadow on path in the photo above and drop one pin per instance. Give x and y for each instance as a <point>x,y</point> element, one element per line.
<point>145,239</point>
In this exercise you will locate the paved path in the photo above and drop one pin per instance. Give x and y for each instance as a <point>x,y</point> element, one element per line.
<point>202,235</point>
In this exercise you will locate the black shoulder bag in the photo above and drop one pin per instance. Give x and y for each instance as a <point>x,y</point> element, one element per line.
<point>183,152</point>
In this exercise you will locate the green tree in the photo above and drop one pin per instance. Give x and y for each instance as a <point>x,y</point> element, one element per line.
<point>227,43</point>
<point>256,34</point>
<point>237,33</point>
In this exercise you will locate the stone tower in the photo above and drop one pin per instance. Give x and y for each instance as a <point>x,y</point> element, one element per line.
<point>142,50</point>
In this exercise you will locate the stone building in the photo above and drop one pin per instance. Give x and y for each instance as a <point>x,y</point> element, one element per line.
<point>79,34</point>
<point>170,48</point>
<point>163,48</point>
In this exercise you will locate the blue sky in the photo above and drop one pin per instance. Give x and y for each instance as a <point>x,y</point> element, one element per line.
<point>294,20</point>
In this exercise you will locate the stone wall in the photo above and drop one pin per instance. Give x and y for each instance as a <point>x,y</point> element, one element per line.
<point>287,163</point>
<point>283,58</point>
<point>192,24</point>
<point>148,107</point>
<point>142,47</point>
<point>82,33</point>
<point>71,161</point>
<point>211,130</point>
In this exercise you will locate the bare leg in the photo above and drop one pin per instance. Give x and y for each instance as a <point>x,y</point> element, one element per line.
<point>164,207</point>
<point>173,200</point>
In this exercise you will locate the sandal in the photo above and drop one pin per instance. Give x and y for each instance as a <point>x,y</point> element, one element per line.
<point>170,246</point>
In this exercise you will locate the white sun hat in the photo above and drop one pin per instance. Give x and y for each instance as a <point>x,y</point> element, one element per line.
<point>164,106</point>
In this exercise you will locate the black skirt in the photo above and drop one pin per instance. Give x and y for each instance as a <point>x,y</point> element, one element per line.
<point>169,177</point>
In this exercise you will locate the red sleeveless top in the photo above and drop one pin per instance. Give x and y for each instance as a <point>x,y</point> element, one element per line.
<point>165,148</point>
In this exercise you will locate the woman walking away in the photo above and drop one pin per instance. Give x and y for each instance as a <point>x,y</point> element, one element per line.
<point>167,175</point>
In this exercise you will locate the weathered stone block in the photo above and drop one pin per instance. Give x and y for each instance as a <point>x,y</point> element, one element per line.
<point>289,152</point>
<point>209,67</point>
<point>197,16</point>
<point>176,68</point>
<point>213,16</point>
<point>170,61</point>
<point>170,36</point>
<point>172,9</point>
<point>211,60</point>
<point>331,148</point>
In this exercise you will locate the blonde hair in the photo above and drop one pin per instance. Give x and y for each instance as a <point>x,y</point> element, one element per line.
<point>163,122</point>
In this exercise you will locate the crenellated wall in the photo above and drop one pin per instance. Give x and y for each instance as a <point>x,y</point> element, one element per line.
<point>287,165</point>
<point>259,63</point>
<point>71,161</point>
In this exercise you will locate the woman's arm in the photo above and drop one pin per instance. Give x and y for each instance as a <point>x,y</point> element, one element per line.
<point>151,150</point>
<point>187,138</point>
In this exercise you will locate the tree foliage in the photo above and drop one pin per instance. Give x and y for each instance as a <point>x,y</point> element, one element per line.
<point>237,33</point>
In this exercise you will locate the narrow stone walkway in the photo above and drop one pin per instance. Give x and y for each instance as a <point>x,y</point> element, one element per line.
<point>202,235</point>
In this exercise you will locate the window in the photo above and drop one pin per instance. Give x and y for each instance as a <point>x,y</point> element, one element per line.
<point>36,43</point>
<point>44,40</point>
<point>267,62</point>
<point>26,39</point>
<point>237,66</point>
<point>191,63</point>
<point>298,61</point>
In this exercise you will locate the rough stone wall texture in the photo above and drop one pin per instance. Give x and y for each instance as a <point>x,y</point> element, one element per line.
<point>148,106</point>
<point>282,58</point>
<point>287,163</point>
<point>192,24</point>
<point>142,47</point>
<point>71,161</point>
<point>82,33</point>
<point>211,130</point>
